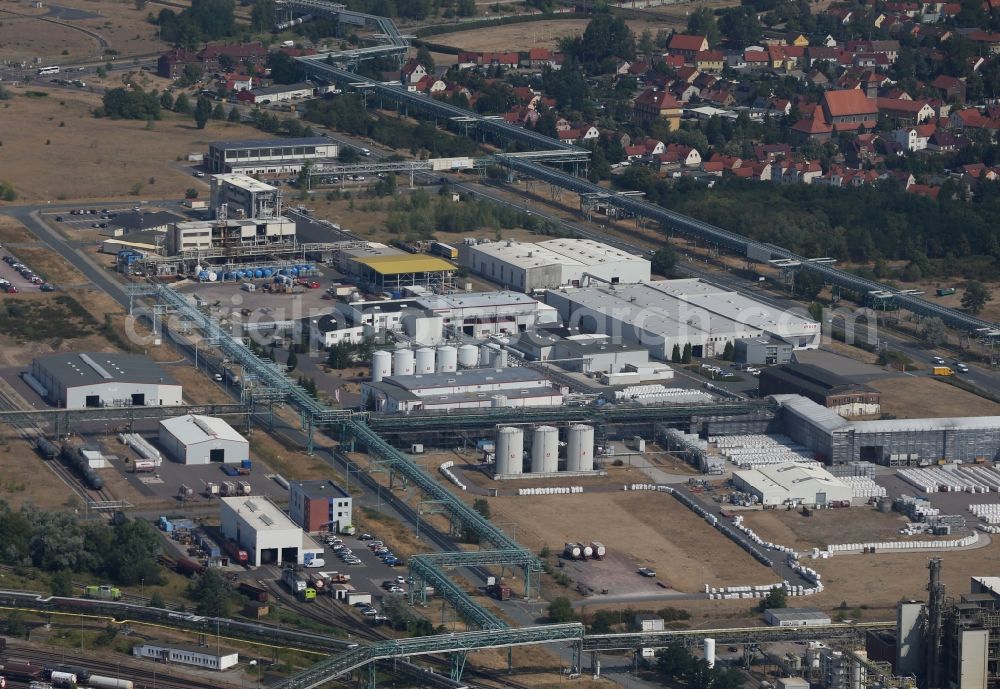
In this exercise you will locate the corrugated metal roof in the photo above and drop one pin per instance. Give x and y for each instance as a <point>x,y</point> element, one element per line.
<point>405,263</point>
<point>192,429</point>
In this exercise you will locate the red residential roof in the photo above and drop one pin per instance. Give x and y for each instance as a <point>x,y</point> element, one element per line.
<point>662,100</point>
<point>849,102</point>
<point>709,56</point>
<point>813,125</point>
<point>900,105</point>
<point>687,43</point>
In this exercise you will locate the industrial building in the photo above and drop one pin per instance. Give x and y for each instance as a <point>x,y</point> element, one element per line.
<point>262,529</point>
<point>796,617</point>
<point>269,156</point>
<point>203,235</point>
<point>132,222</point>
<point>319,505</point>
<point>768,351</point>
<point>244,197</point>
<point>791,483</point>
<point>210,658</point>
<point>329,330</point>
<point>468,389</point>
<point>662,314</point>
<point>552,263</point>
<point>195,439</point>
<point>101,379</point>
<point>890,442</point>
<point>821,386</point>
<point>391,273</point>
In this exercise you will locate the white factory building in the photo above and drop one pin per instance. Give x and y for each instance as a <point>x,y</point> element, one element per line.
<point>665,313</point>
<point>269,156</point>
<point>552,263</point>
<point>467,389</point>
<point>264,530</point>
<point>101,379</point>
<point>244,197</point>
<point>209,658</point>
<point>792,483</point>
<point>233,233</point>
<point>195,439</point>
<point>429,318</point>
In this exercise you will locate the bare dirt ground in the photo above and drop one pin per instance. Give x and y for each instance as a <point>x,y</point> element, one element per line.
<point>109,156</point>
<point>12,231</point>
<point>23,38</point>
<point>650,529</point>
<point>543,34</point>
<point>909,397</point>
<point>824,526</point>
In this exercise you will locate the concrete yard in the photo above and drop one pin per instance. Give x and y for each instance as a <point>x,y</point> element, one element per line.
<point>639,529</point>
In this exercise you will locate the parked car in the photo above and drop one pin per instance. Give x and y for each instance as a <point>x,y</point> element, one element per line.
<point>937,360</point>
<point>647,572</point>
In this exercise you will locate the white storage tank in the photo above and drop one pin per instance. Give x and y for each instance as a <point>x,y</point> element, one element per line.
<point>710,651</point>
<point>402,362</point>
<point>425,360</point>
<point>447,359</point>
<point>381,365</point>
<point>498,401</point>
<point>588,551</point>
<point>545,450</point>
<point>580,448</point>
<point>468,356</point>
<point>510,450</point>
<point>498,359</point>
<point>599,550</point>
<point>573,551</point>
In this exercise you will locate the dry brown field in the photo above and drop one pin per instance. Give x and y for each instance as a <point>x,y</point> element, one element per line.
<point>107,158</point>
<point>652,529</point>
<point>912,397</point>
<point>521,37</point>
<point>23,38</point>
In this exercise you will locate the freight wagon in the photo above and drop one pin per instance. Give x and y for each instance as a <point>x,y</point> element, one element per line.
<point>189,567</point>
<point>99,682</point>
<point>252,592</point>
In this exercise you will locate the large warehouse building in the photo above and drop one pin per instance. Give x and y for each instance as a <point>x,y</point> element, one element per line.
<point>262,529</point>
<point>821,386</point>
<point>101,379</point>
<point>792,483</point>
<point>552,263</point>
<point>892,442</point>
<point>319,505</point>
<point>468,389</point>
<point>268,156</point>
<point>665,313</point>
<point>194,439</point>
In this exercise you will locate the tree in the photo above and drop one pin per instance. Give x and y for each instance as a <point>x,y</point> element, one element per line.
<point>728,352</point>
<point>293,359</point>
<point>156,600</point>
<point>664,261</point>
<point>348,155</point>
<point>560,610</point>
<point>340,356</point>
<point>602,622</point>
<point>234,115</point>
<point>808,284</point>
<point>284,68</point>
<point>673,662</point>
<point>686,354</point>
<point>202,111</point>
<point>975,297</point>
<point>211,593</point>
<point>131,104</point>
<point>424,58</point>
<point>740,26</point>
<point>262,15</point>
<point>166,101</point>
<point>701,22</point>
<point>675,354</point>
<point>302,180</point>
<point>777,598</point>
<point>182,105</point>
<point>482,506</point>
<point>219,113</point>
<point>62,583</point>
<point>933,331</point>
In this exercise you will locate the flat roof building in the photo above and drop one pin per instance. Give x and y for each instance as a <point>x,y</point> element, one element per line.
<point>662,314</point>
<point>101,379</point>
<point>263,529</point>
<point>466,389</point>
<point>552,263</point>
<point>196,439</point>
<point>143,221</point>
<point>244,197</point>
<point>268,156</point>
<point>208,657</point>
<point>319,506</point>
<point>796,617</point>
<point>821,386</point>
<point>791,483</point>
<point>202,235</point>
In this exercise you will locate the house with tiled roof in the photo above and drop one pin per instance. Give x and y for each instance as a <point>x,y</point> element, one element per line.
<point>687,46</point>
<point>756,59</point>
<point>949,88</point>
<point>709,61</point>
<point>985,39</point>
<point>924,190</point>
<point>771,152</point>
<point>905,112</point>
<point>652,104</point>
<point>943,142</point>
<point>679,155</point>
<point>171,64</point>
<point>412,72</point>
<point>213,55</point>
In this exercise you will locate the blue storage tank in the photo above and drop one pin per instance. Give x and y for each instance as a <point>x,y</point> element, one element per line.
<point>268,272</point>
<point>294,272</point>
<point>396,294</point>
<point>203,275</point>
<point>258,273</point>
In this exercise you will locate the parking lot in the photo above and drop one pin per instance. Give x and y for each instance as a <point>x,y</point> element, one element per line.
<point>13,277</point>
<point>86,218</point>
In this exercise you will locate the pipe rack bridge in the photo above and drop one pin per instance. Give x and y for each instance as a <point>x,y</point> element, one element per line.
<point>458,645</point>
<point>394,43</point>
<point>610,413</point>
<point>127,416</point>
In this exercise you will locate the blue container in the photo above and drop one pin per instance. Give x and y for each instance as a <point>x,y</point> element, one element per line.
<point>203,275</point>
<point>294,272</point>
<point>268,272</point>
<point>246,464</point>
<point>258,273</point>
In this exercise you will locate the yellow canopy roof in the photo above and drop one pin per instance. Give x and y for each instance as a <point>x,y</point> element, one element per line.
<point>405,263</point>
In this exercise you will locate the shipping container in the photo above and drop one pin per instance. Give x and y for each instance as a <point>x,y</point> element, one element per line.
<point>445,250</point>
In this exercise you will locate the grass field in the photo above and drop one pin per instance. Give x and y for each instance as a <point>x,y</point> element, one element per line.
<point>109,157</point>
<point>911,397</point>
<point>652,529</point>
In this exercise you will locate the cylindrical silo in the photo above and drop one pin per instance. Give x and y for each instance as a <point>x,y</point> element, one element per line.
<point>402,362</point>
<point>580,448</point>
<point>710,651</point>
<point>545,450</point>
<point>498,401</point>
<point>510,450</point>
<point>447,359</point>
<point>381,365</point>
<point>468,355</point>
<point>486,353</point>
<point>425,360</point>
<point>498,358</point>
